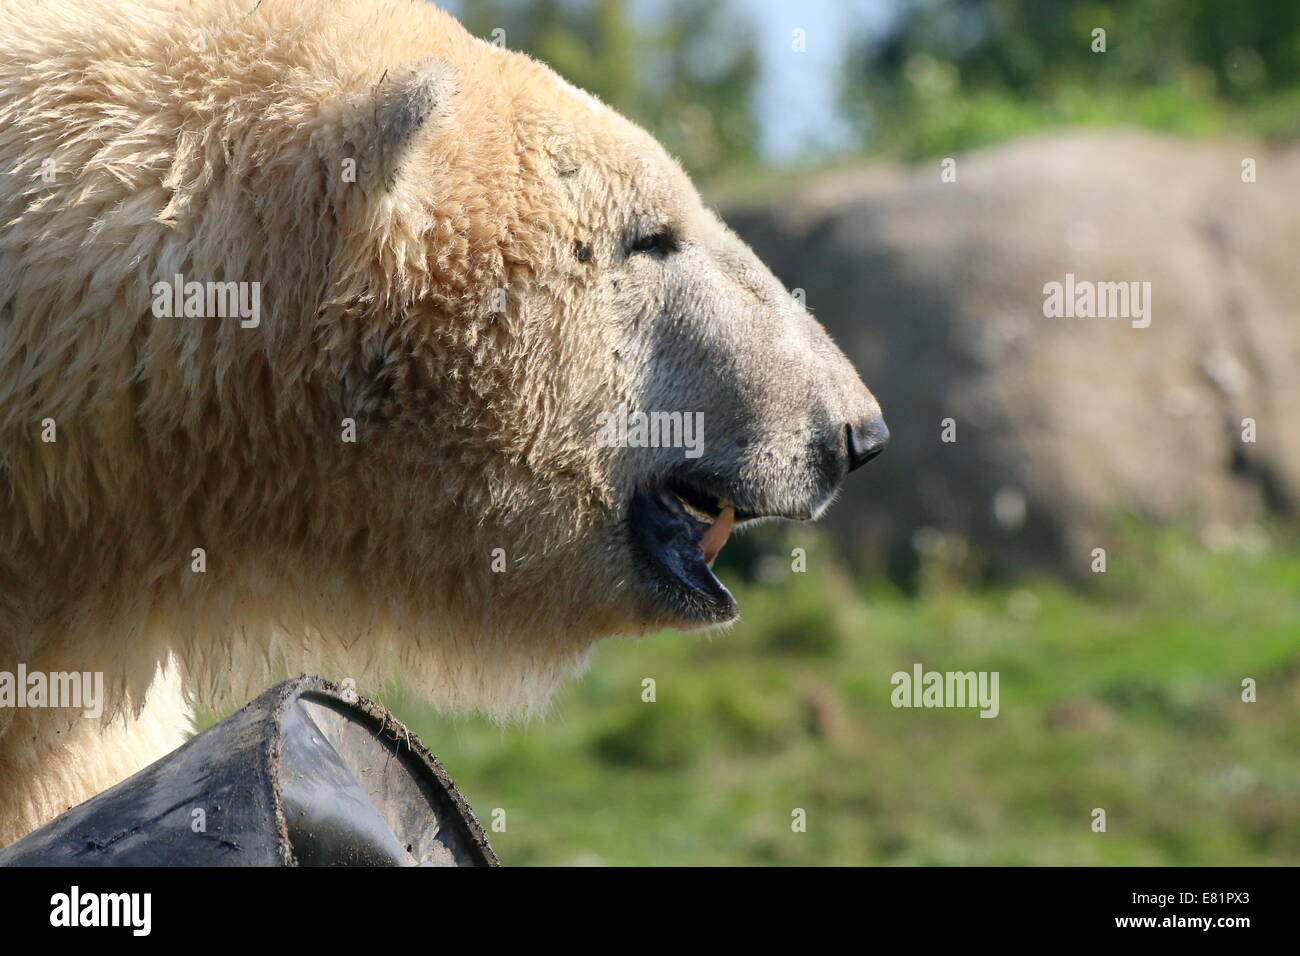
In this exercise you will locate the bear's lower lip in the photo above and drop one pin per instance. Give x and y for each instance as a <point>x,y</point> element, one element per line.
<point>668,542</point>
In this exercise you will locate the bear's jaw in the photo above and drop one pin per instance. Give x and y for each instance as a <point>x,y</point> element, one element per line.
<point>676,528</point>
<point>669,535</point>
<point>711,518</point>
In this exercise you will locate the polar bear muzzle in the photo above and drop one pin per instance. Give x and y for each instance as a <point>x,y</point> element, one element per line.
<point>678,527</point>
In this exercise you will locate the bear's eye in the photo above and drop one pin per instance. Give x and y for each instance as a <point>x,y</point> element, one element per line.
<point>656,243</point>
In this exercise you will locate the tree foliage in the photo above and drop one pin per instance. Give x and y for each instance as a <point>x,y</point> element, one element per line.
<point>950,74</point>
<point>688,75</point>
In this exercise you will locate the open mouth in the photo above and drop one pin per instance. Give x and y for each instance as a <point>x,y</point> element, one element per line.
<point>678,527</point>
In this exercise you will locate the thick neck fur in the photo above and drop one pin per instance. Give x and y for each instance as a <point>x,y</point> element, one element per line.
<point>211,144</point>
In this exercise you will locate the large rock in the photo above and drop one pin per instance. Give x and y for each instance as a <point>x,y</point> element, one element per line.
<point>1063,425</point>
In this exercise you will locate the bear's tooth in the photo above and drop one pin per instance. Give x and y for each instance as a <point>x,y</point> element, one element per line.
<point>701,516</point>
<point>716,535</point>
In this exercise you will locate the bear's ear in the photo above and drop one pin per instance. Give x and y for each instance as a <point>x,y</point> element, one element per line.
<point>410,104</point>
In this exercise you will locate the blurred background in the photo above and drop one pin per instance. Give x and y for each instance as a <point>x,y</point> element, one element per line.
<point>1103,514</point>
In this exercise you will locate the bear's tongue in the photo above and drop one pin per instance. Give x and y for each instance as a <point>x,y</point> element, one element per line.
<point>716,535</point>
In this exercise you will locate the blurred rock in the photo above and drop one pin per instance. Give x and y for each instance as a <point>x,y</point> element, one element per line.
<point>1062,425</point>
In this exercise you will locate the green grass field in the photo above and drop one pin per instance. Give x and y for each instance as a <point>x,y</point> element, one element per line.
<point>1126,697</point>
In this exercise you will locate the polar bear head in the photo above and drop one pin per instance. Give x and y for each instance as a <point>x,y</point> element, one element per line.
<point>590,381</point>
<point>509,387</point>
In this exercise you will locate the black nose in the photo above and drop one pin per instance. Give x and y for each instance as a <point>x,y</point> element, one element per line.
<point>866,440</point>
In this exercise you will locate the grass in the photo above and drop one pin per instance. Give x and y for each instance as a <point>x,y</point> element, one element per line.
<point>1125,697</point>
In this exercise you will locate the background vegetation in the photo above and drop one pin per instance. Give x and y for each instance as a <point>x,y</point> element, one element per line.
<point>1126,698</point>
<point>950,76</point>
<point>923,77</point>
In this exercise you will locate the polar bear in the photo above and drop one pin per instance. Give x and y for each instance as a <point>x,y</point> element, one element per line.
<point>309,314</point>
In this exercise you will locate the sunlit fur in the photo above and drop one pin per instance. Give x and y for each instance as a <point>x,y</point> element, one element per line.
<point>209,139</point>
